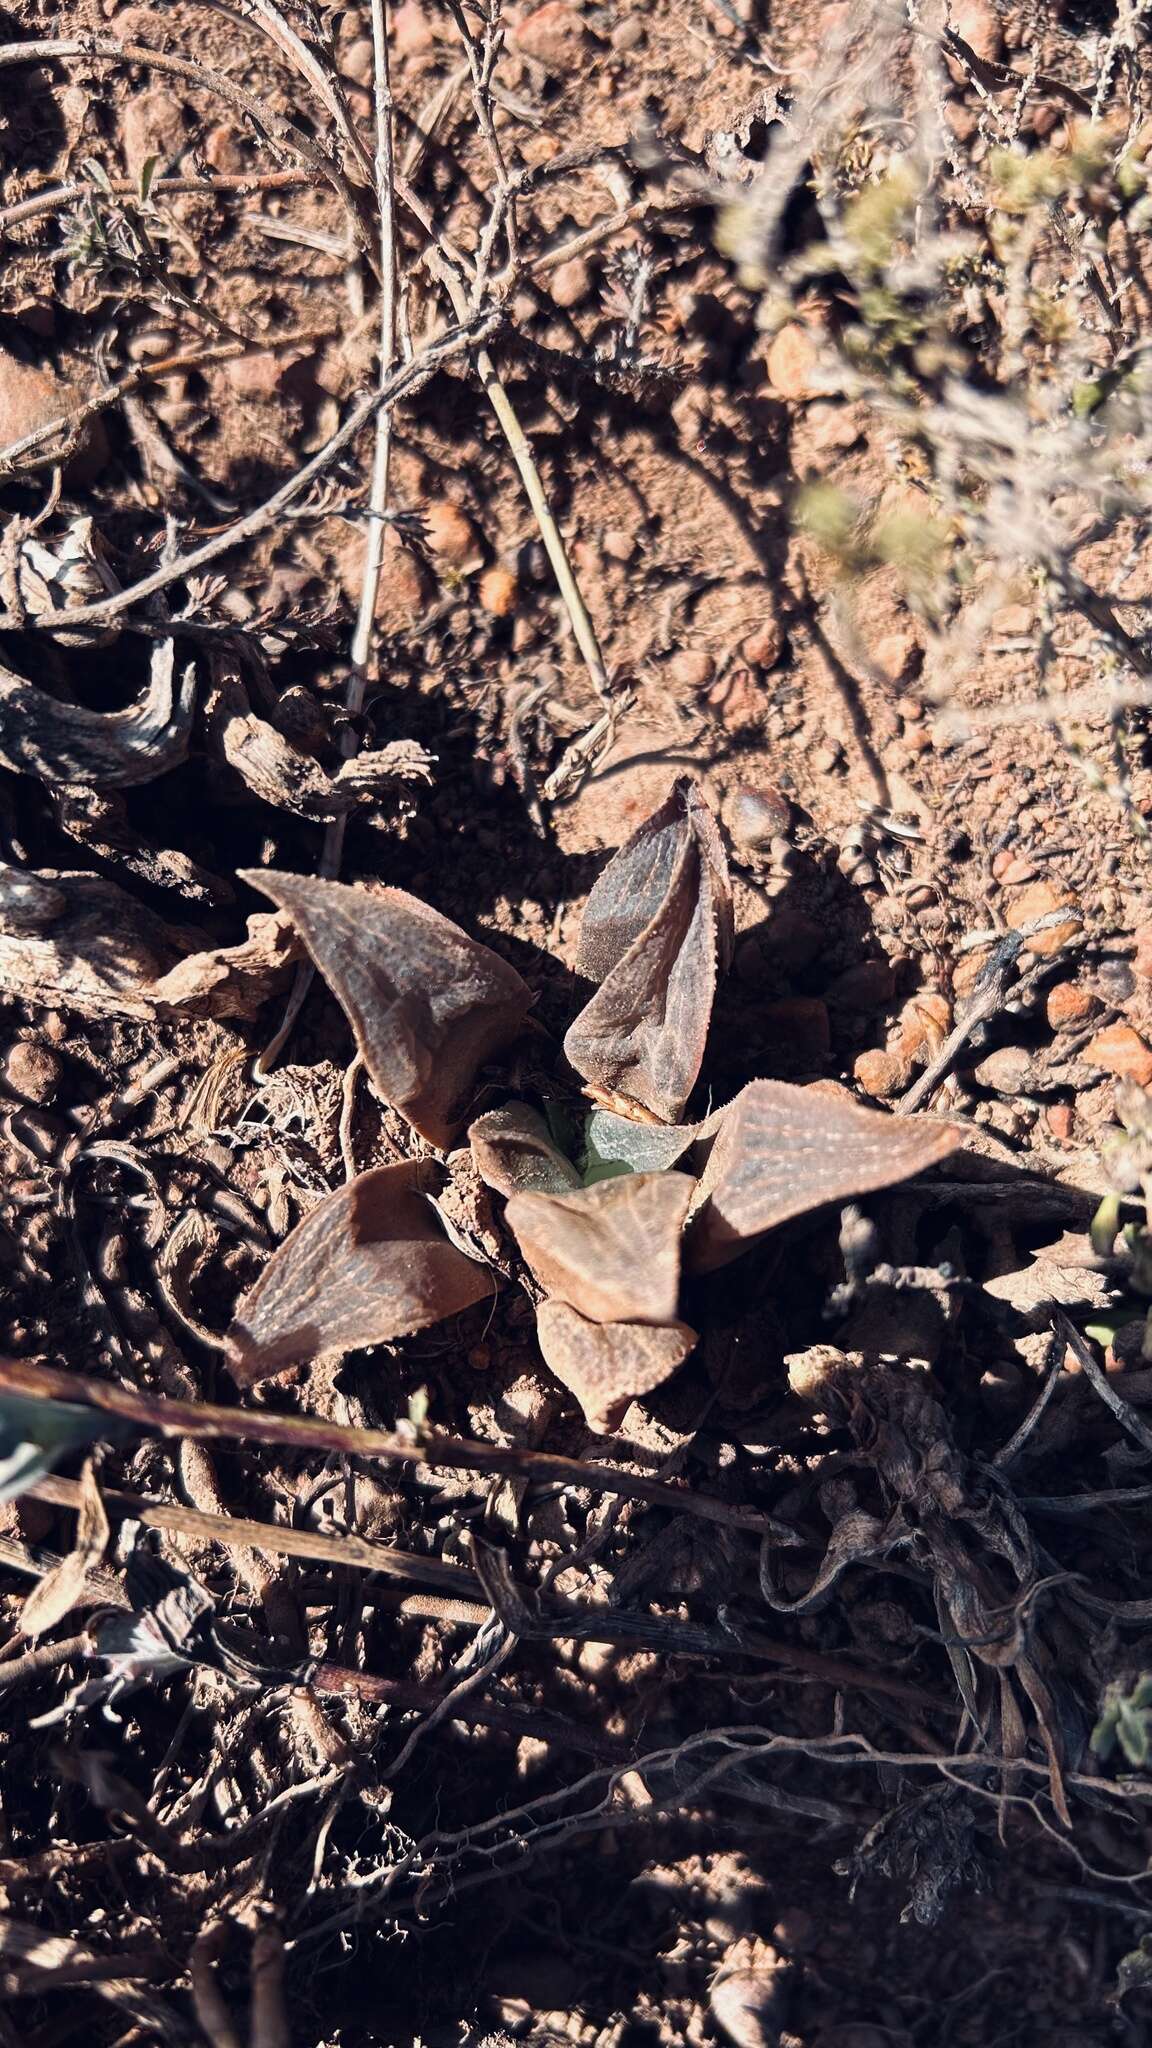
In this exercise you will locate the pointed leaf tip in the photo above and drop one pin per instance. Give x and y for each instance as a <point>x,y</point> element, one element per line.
<point>656,927</point>
<point>608,1365</point>
<point>611,1250</point>
<point>427,1004</point>
<point>368,1264</point>
<point>778,1151</point>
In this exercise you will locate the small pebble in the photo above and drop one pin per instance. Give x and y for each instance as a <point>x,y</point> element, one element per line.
<point>764,645</point>
<point>358,60</point>
<point>897,654</point>
<point>882,1074</point>
<point>755,817</point>
<point>1115,980</point>
<point>412,31</point>
<point>1060,1118</point>
<point>628,34</point>
<point>33,1071</point>
<point>1007,1071</point>
<point>499,590</point>
<point>222,150</point>
<point>450,533</point>
<point>618,544</point>
<point>552,35</point>
<point>791,361</point>
<point>152,125</point>
<point>1121,1051</point>
<point>978,23</point>
<point>571,282</point>
<point>1013,870</point>
<point>1067,1004</point>
<point>692,669</point>
<point>1012,621</point>
<point>1038,900</point>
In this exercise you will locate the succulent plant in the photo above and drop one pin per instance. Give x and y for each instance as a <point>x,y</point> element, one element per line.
<point>608,1228</point>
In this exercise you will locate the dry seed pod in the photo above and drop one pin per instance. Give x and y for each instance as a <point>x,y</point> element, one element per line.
<point>778,1151</point>
<point>426,1003</point>
<point>101,749</point>
<point>368,1264</point>
<point>612,1250</point>
<point>608,1365</point>
<point>657,924</point>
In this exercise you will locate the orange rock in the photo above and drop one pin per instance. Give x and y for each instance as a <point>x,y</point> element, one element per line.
<point>30,396</point>
<point>1038,900</point>
<point>499,590</point>
<point>791,362</point>
<point>570,282</point>
<point>1142,962</point>
<point>896,653</point>
<point>1067,1004</point>
<point>405,588</point>
<point>978,22</point>
<point>451,534</point>
<point>925,1022</point>
<point>153,125</point>
<point>1120,1050</point>
<point>412,31</point>
<point>882,1074</point>
<point>764,645</point>
<point>552,35</point>
<point>1060,1118</point>
<point>1012,621</point>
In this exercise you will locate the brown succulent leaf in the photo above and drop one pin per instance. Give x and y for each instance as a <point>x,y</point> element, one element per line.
<point>612,1250</point>
<point>63,743</point>
<point>368,1264</point>
<point>657,923</point>
<point>87,945</point>
<point>778,1150</point>
<point>427,1004</point>
<point>515,1153</point>
<point>607,1365</point>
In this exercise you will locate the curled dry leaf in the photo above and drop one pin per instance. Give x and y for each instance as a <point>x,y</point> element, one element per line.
<point>103,749</point>
<point>99,951</point>
<point>428,1005</point>
<point>516,1154</point>
<point>368,1264</point>
<point>777,1151</point>
<point>283,775</point>
<point>657,923</point>
<point>608,1365</point>
<point>60,1588</point>
<point>612,1250</point>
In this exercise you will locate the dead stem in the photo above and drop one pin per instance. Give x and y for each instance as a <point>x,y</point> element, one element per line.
<point>331,853</point>
<point>207,1419</point>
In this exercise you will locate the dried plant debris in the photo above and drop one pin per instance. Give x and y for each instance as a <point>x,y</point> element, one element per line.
<point>62,743</point>
<point>777,1151</point>
<point>85,943</point>
<point>428,1005</point>
<point>609,1365</point>
<point>657,927</point>
<point>288,778</point>
<point>368,1264</point>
